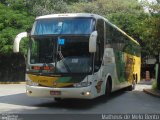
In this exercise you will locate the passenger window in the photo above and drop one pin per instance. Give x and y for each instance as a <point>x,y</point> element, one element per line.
<point>108,33</point>
<point>100,41</point>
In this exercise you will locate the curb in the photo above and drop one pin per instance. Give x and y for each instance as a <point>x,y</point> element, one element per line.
<point>151,92</point>
<point>12,82</point>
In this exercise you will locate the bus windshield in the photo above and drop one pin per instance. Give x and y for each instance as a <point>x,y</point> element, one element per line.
<point>63,26</point>
<point>66,54</point>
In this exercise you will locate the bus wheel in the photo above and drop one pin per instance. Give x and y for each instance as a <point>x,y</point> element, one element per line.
<point>133,84</point>
<point>108,89</point>
<point>57,99</point>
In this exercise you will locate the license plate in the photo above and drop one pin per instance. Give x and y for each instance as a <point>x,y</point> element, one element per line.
<point>55,92</point>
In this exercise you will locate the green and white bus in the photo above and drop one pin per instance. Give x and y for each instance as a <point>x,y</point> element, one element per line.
<point>78,55</point>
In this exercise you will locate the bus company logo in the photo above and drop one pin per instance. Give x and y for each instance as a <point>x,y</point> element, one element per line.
<point>98,86</point>
<point>54,84</point>
<point>42,81</point>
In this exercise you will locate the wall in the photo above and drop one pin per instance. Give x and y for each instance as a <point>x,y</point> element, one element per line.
<point>12,68</point>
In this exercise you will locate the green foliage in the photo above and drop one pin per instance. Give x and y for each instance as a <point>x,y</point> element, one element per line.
<point>154,85</point>
<point>42,7</point>
<point>11,23</point>
<point>106,7</point>
<point>151,34</point>
<point>20,5</point>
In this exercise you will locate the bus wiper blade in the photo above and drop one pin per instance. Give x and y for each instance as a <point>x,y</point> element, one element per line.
<point>62,58</point>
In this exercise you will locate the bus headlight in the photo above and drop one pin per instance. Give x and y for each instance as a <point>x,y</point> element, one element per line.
<point>30,82</point>
<point>86,93</point>
<point>82,84</point>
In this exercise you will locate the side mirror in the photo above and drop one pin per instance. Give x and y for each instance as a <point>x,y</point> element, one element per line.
<point>93,42</point>
<point>17,41</point>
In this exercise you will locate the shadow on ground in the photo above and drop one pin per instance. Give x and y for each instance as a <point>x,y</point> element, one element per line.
<point>23,100</point>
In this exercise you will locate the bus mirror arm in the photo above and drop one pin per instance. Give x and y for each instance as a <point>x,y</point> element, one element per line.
<point>93,42</point>
<point>17,41</point>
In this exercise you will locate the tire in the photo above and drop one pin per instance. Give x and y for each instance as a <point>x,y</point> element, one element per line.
<point>134,83</point>
<point>108,89</point>
<point>136,78</point>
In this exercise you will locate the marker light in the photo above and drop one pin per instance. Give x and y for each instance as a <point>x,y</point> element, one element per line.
<point>36,67</point>
<point>86,93</point>
<point>42,68</point>
<point>46,68</point>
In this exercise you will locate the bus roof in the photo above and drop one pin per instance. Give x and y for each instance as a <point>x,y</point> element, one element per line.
<point>67,15</point>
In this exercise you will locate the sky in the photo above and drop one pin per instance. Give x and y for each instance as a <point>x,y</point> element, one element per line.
<point>150,1</point>
<point>146,8</point>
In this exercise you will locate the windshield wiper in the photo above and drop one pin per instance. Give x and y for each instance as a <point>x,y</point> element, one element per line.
<point>62,59</point>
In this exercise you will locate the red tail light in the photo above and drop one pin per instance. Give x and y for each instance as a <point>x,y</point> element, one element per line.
<point>36,68</point>
<point>42,68</point>
<point>46,68</point>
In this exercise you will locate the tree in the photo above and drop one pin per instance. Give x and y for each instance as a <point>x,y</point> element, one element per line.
<point>151,30</point>
<point>42,7</point>
<point>11,23</point>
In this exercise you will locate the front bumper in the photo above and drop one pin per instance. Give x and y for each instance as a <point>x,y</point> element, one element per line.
<point>38,91</point>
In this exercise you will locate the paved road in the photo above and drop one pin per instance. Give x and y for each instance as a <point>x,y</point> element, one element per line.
<point>14,99</point>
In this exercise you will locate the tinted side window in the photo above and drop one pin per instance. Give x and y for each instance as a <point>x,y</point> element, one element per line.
<point>100,29</point>
<point>100,38</point>
<point>100,43</point>
<point>108,34</point>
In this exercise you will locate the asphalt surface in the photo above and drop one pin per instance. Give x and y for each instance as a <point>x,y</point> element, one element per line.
<point>14,100</point>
